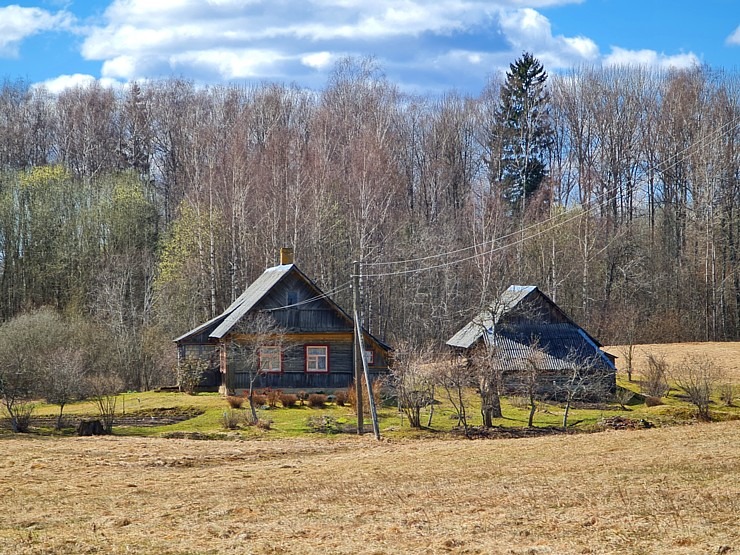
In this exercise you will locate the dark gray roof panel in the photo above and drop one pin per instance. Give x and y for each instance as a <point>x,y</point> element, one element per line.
<point>249,299</point>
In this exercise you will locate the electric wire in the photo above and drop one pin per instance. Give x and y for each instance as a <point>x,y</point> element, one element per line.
<point>721,132</point>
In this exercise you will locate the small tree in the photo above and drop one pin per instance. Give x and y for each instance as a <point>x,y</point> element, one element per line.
<point>455,377</point>
<point>255,332</point>
<point>25,342</point>
<point>105,388</point>
<point>583,380</point>
<point>412,376</point>
<point>64,378</point>
<point>655,376</point>
<point>698,377</point>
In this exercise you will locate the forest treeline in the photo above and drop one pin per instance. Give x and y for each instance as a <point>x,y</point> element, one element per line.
<point>147,210</point>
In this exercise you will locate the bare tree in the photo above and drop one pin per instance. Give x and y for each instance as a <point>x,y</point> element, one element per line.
<point>698,377</point>
<point>583,379</point>
<point>655,376</point>
<point>455,377</point>
<point>413,378</point>
<point>258,341</point>
<point>63,379</point>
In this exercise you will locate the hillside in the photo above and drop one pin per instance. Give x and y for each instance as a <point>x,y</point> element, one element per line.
<point>726,355</point>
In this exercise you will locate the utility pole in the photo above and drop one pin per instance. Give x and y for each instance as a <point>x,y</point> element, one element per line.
<point>358,345</point>
<point>360,353</point>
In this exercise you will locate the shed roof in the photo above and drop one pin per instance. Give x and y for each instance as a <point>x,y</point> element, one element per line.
<point>555,343</point>
<point>471,332</point>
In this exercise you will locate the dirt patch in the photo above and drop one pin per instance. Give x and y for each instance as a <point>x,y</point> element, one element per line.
<point>161,416</point>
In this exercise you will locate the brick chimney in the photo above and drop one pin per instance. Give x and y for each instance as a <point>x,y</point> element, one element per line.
<point>286,255</point>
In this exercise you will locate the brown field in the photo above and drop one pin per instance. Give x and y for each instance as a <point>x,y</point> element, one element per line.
<point>726,355</point>
<point>671,490</point>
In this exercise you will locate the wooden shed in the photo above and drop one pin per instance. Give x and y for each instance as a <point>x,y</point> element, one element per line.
<point>524,324</point>
<point>318,332</point>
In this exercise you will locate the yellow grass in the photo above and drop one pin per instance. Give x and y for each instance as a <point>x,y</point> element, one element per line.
<point>725,355</point>
<point>660,491</point>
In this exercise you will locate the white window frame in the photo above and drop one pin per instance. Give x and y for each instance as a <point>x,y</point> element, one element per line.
<point>271,354</point>
<point>314,356</point>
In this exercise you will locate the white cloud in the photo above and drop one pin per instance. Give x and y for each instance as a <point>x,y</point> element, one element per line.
<point>650,58</point>
<point>64,82</point>
<point>18,23</point>
<point>734,38</point>
<point>529,30</point>
<point>318,60</point>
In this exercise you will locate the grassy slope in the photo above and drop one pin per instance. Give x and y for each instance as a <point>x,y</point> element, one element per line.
<point>671,490</point>
<point>293,422</point>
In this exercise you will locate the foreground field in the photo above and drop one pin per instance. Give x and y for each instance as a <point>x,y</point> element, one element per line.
<point>672,490</point>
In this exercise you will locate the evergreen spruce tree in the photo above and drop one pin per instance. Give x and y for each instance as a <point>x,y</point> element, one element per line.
<point>524,132</point>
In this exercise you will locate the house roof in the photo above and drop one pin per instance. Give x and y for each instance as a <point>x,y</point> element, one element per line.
<point>251,297</point>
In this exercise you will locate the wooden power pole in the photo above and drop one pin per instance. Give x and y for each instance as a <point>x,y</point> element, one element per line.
<point>360,353</point>
<point>358,345</point>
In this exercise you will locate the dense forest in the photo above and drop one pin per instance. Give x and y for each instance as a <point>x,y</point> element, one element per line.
<point>147,210</point>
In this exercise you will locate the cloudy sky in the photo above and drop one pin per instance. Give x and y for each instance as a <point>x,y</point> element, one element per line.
<point>424,46</point>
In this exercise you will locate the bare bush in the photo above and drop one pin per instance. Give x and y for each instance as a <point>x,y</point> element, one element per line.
<point>727,394</point>
<point>698,378</point>
<point>412,375</point>
<point>230,419</point>
<point>190,371</point>
<point>235,401</point>
<point>316,400</point>
<point>655,376</point>
<point>623,396</point>
<point>288,400</point>
<point>105,389</point>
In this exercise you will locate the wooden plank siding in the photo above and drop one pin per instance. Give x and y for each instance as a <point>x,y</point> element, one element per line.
<point>306,318</point>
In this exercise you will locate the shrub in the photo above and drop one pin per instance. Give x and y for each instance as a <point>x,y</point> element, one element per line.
<point>302,396</point>
<point>259,399</point>
<point>651,401</point>
<point>288,400</point>
<point>235,401</point>
<point>340,398</point>
<point>655,376</point>
<point>727,394</point>
<point>352,396</point>
<point>230,420</point>
<point>316,400</point>
<point>264,423</point>
<point>190,371</point>
<point>273,396</point>
<point>324,424</point>
<point>21,417</point>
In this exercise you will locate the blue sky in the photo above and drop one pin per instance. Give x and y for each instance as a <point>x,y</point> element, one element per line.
<point>424,46</point>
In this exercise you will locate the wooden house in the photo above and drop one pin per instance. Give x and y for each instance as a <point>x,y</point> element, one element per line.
<point>524,326</point>
<point>315,347</point>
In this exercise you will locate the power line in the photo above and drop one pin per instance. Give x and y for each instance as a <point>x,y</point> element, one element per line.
<point>720,132</point>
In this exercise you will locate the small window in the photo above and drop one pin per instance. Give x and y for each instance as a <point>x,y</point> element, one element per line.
<point>270,359</point>
<point>370,356</point>
<point>317,358</point>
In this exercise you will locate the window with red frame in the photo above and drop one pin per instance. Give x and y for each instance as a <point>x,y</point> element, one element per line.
<point>317,358</point>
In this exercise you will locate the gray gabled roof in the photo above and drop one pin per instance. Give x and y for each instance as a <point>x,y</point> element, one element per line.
<point>243,304</point>
<point>473,330</point>
<point>225,322</point>
<point>554,343</point>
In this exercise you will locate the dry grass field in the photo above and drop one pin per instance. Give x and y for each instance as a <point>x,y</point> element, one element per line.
<point>658,491</point>
<point>726,355</point>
